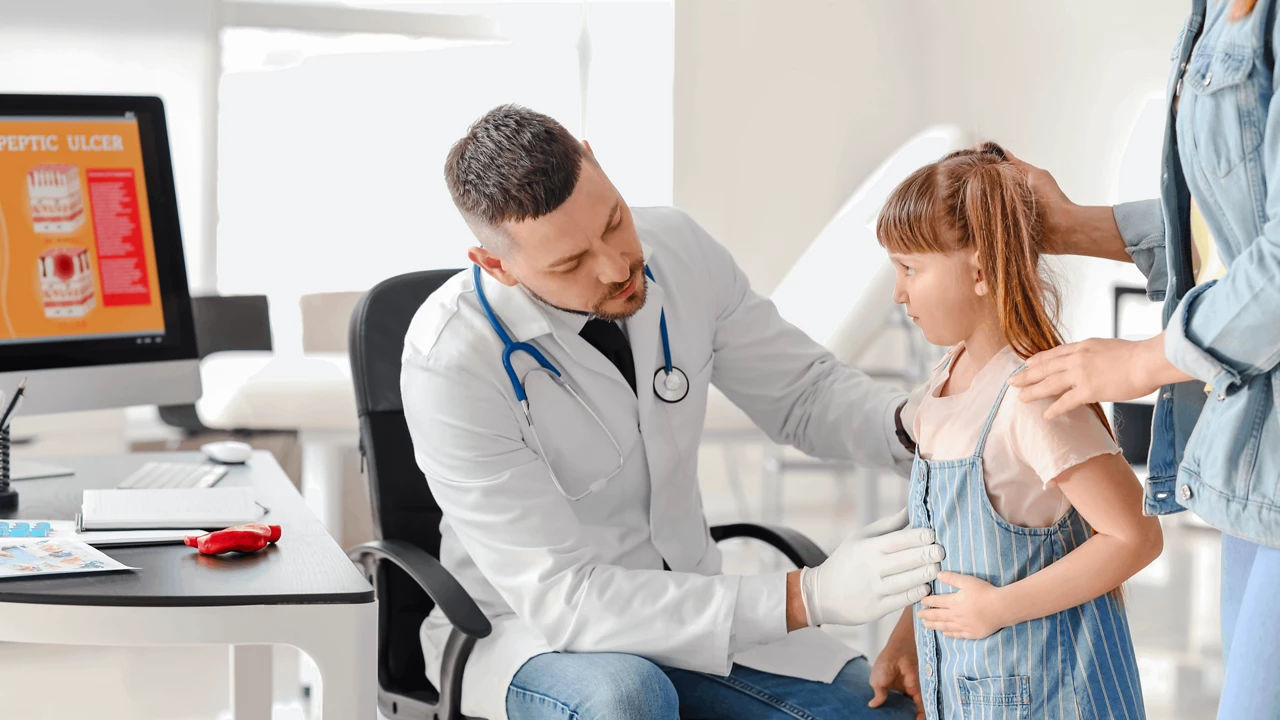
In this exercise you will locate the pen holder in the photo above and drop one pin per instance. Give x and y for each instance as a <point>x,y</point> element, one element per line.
<point>8,496</point>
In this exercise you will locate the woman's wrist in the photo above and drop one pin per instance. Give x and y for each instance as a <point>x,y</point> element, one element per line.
<point>1155,366</point>
<point>1088,230</point>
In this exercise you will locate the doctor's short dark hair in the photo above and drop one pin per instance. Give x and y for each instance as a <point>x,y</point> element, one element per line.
<point>513,164</point>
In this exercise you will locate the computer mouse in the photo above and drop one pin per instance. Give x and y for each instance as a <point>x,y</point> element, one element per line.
<point>227,451</point>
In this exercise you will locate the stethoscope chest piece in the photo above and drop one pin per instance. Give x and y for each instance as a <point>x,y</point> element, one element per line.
<point>670,386</point>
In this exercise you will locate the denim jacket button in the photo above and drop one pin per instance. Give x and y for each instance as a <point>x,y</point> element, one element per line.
<point>1184,492</point>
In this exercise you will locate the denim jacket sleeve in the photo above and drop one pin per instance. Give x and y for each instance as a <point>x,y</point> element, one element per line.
<point>1228,331</point>
<point>1141,226</point>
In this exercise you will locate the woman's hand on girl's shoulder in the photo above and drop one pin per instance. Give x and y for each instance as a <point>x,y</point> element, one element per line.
<point>1095,370</point>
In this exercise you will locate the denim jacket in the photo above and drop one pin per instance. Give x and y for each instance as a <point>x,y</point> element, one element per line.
<point>1216,441</point>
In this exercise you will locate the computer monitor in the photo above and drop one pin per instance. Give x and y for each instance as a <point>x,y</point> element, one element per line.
<point>94,306</point>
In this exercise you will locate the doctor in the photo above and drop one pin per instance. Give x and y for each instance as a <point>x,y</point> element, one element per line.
<point>555,393</point>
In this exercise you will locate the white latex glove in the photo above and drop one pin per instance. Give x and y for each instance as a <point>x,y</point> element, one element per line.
<point>884,568</point>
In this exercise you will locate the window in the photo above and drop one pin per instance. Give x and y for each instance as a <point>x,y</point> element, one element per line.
<point>331,149</point>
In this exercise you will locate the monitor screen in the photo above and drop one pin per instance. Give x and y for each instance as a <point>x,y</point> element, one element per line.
<point>91,265</point>
<point>94,306</point>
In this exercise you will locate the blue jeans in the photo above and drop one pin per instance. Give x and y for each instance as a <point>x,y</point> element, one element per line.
<point>1250,626</point>
<point>605,686</point>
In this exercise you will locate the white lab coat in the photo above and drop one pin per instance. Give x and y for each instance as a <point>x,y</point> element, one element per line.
<point>556,575</point>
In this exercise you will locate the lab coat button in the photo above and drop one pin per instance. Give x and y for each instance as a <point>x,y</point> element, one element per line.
<point>1184,492</point>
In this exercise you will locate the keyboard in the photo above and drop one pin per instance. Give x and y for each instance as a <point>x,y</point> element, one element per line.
<point>161,475</point>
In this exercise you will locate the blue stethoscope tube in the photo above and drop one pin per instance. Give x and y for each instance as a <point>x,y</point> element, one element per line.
<point>670,384</point>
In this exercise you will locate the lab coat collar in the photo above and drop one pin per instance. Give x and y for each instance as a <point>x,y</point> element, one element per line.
<point>516,309</point>
<point>524,316</point>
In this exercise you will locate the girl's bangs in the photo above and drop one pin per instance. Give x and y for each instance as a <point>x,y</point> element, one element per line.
<point>908,222</point>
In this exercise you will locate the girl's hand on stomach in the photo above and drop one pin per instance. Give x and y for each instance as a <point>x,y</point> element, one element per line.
<point>973,612</point>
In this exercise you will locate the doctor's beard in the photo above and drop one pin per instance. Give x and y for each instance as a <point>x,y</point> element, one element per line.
<point>597,310</point>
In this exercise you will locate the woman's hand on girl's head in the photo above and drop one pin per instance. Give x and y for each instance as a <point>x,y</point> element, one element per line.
<point>1068,228</point>
<point>1096,370</point>
<point>1055,208</point>
<point>973,612</point>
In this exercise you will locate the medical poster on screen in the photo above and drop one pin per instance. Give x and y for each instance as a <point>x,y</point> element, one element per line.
<point>76,250</point>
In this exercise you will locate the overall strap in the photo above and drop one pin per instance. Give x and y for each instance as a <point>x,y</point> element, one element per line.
<point>995,408</point>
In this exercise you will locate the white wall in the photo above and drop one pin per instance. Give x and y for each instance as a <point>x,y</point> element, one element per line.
<point>782,108</point>
<point>132,47</point>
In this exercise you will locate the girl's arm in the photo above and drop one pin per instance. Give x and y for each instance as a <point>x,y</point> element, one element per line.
<point>897,668</point>
<point>1105,492</point>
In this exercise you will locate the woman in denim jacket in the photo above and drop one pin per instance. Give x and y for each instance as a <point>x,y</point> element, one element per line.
<point>1216,432</point>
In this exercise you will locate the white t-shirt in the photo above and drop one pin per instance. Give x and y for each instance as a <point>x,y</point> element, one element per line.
<point>1024,454</point>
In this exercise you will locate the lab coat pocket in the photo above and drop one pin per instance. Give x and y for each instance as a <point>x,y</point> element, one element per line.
<point>996,698</point>
<point>684,420</point>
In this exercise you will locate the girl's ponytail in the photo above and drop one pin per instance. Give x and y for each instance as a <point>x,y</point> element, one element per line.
<point>995,208</point>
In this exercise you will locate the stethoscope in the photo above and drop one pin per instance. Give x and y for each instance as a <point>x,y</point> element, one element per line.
<point>670,384</point>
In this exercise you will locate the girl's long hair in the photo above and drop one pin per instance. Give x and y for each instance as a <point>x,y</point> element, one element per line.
<point>976,200</point>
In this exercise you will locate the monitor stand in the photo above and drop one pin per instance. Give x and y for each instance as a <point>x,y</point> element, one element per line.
<point>27,470</point>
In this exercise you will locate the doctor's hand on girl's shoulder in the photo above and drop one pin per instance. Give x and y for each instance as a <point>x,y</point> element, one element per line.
<point>973,612</point>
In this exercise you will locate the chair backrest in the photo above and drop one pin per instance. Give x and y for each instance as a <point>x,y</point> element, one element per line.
<point>847,326</point>
<point>222,323</point>
<point>325,317</point>
<point>403,508</point>
<point>230,322</point>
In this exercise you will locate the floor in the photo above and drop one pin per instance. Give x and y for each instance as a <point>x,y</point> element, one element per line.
<point>1173,611</point>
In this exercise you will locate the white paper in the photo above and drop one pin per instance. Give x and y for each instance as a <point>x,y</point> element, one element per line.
<point>808,653</point>
<point>27,557</point>
<point>172,508</point>
<point>66,530</point>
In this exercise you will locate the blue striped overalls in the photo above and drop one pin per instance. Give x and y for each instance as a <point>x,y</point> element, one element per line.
<point>1078,663</point>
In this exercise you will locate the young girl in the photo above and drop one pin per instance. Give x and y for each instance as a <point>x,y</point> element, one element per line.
<point>1041,519</point>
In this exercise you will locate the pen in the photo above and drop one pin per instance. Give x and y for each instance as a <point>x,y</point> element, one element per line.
<point>13,404</point>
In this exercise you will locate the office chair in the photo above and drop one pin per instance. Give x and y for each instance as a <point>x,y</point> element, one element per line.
<point>402,564</point>
<point>222,323</point>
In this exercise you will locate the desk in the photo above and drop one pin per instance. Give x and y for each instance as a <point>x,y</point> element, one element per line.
<point>311,393</point>
<point>302,592</point>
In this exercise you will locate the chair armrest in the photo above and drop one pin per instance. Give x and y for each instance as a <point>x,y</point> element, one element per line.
<point>432,577</point>
<point>798,548</point>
